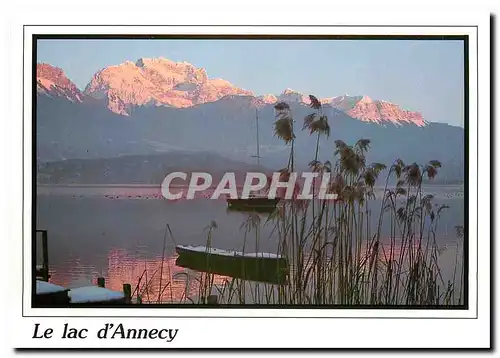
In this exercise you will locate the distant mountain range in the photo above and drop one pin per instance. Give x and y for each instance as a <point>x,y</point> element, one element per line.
<point>159,106</point>
<point>161,82</point>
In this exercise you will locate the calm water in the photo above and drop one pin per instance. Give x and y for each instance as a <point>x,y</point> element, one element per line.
<point>117,232</point>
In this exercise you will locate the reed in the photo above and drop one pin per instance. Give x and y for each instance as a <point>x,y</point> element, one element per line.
<point>365,248</point>
<point>336,254</point>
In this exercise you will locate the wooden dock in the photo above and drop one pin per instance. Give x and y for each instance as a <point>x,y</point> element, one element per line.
<point>48,294</point>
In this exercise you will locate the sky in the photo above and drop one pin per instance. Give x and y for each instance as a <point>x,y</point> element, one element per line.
<point>418,75</point>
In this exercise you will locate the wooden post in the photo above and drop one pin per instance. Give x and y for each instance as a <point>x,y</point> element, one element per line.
<point>44,271</point>
<point>212,300</point>
<point>101,282</point>
<point>127,291</point>
<point>45,250</point>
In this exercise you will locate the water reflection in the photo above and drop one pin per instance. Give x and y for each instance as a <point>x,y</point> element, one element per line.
<point>158,280</point>
<point>92,234</point>
<point>149,279</point>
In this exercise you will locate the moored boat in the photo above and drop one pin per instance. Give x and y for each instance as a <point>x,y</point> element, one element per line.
<point>264,203</point>
<point>261,267</point>
<point>257,202</point>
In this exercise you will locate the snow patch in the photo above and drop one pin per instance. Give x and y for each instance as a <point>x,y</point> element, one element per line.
<point>262,254</point>
<point>45,82</point>
<point>94,294</point>
<point>215,251</point>
<point>43,288</point>
<point>220,82</point>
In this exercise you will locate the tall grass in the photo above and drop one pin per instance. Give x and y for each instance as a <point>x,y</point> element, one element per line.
<point>336,254</point>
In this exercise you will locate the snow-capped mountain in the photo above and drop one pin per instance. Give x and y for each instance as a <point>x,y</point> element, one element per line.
<point>51,81</point>
<point>359,107</point>
<point>156,106</point>
<point>162,82</point>
<point>368,110</point>
<point>157,82</point>
<point>289,95</point>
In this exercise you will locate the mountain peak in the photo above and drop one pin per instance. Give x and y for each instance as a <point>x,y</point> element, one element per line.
<point>368,110</point>
<point>365,99</point>
<point>159,82</point>
<point>52,81</point>
<point>289,91</point>
<point>290,95</point>
<point>268,98</point>
<point>154,61</point>
<point>163,82</point>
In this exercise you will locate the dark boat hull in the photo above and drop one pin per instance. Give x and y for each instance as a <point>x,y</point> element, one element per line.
<point>252,268</point>
<point>253,204</point>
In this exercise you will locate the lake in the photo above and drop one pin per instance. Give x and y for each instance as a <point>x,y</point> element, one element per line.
<point>117,232</point>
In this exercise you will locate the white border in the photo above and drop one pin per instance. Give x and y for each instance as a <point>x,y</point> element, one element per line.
<point>403,333</point>
<point>471,313</point>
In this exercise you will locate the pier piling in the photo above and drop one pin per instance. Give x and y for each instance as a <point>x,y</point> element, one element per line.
<point>101,282</point>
